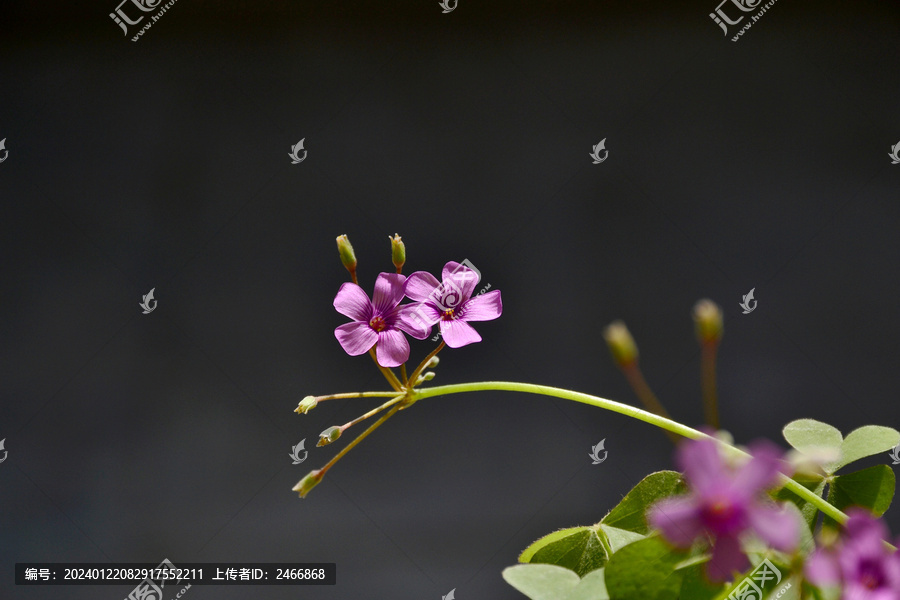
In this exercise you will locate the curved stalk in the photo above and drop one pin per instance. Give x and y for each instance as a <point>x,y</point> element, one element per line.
<point>623,409</point>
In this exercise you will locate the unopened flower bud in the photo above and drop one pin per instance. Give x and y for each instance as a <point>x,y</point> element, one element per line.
<point>398,252</point>
<point>708,321</point>
<point>428,376</point>
<point>348,257</point>
<point>620,343</point>
<point>433,362</point>
<point>309,482</point>
<point>306,405</point>
<point>329,435</point>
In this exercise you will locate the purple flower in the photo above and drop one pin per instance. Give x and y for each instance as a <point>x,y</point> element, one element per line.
<point>860,561</point>
<point>724,503</point>
<point>451,304</point>
<point>378,322</point>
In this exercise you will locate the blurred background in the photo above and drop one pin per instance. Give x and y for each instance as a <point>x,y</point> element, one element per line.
<point>163,163</point>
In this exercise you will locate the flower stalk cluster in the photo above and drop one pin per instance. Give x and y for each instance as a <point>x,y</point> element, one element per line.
<point>730,490</point>
<point>379,326</point>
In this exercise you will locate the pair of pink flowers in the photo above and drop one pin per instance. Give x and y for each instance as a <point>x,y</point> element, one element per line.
<point>382,321</point>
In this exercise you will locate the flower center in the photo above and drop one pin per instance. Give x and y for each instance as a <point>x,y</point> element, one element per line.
<point>722,515</point>
<point>870,576</point>
<point>447,315</point>
<point>720,508</point>
<point>377,323</point>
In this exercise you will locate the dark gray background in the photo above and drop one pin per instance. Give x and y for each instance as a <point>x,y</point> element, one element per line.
<point>163,163</point>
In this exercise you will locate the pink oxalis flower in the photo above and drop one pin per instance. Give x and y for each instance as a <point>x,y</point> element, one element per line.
<point>379,322</point>
<point>451,304</point>
<point>724,503</point>
<point>860,561</point>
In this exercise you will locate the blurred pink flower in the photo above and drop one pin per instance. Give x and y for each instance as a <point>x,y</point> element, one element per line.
<point>860,561</point>
<point>725,502</point>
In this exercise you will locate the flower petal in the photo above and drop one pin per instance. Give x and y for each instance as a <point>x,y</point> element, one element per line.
<point>702,465</point>
<point>416,319</point>
<point>420,286</point>
<point>775,526</point>
<point>863,526</point>
<point>727,558</point>
<point>460,278</point>
<point>356,338</point>
<point>459,333</point>
<point>761,471</point>
<point>392,349</point>
<point>822,569</point>
<point>860,591</point>
<point>388,292</point>
<point>891,567</point>
<point>483,308</point>
<point>351,301</point>
<point>678,519</point>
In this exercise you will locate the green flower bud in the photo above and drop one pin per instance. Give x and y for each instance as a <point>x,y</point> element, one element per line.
<point>708,321</point>
<point>329,435</point>
<point>428,376</point>
<point>348,257</point>
<point>398,252</point>
<point>433,362</point>
<point>621,344</point>
<point>306,405</point>
<point>309,482</point>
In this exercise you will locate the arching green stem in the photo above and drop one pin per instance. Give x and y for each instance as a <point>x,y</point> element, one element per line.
<point>623,409</point>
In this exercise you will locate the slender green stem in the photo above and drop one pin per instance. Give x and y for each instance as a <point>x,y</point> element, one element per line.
<point>415,376</point>
<point>403,376</point>
<point>372,412</point>
<point>356,395</point>
<point>624,409</point>
<point>358,439</point>
<point>708,383</point>
<point>642,390</point>
<point>388,374</point>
